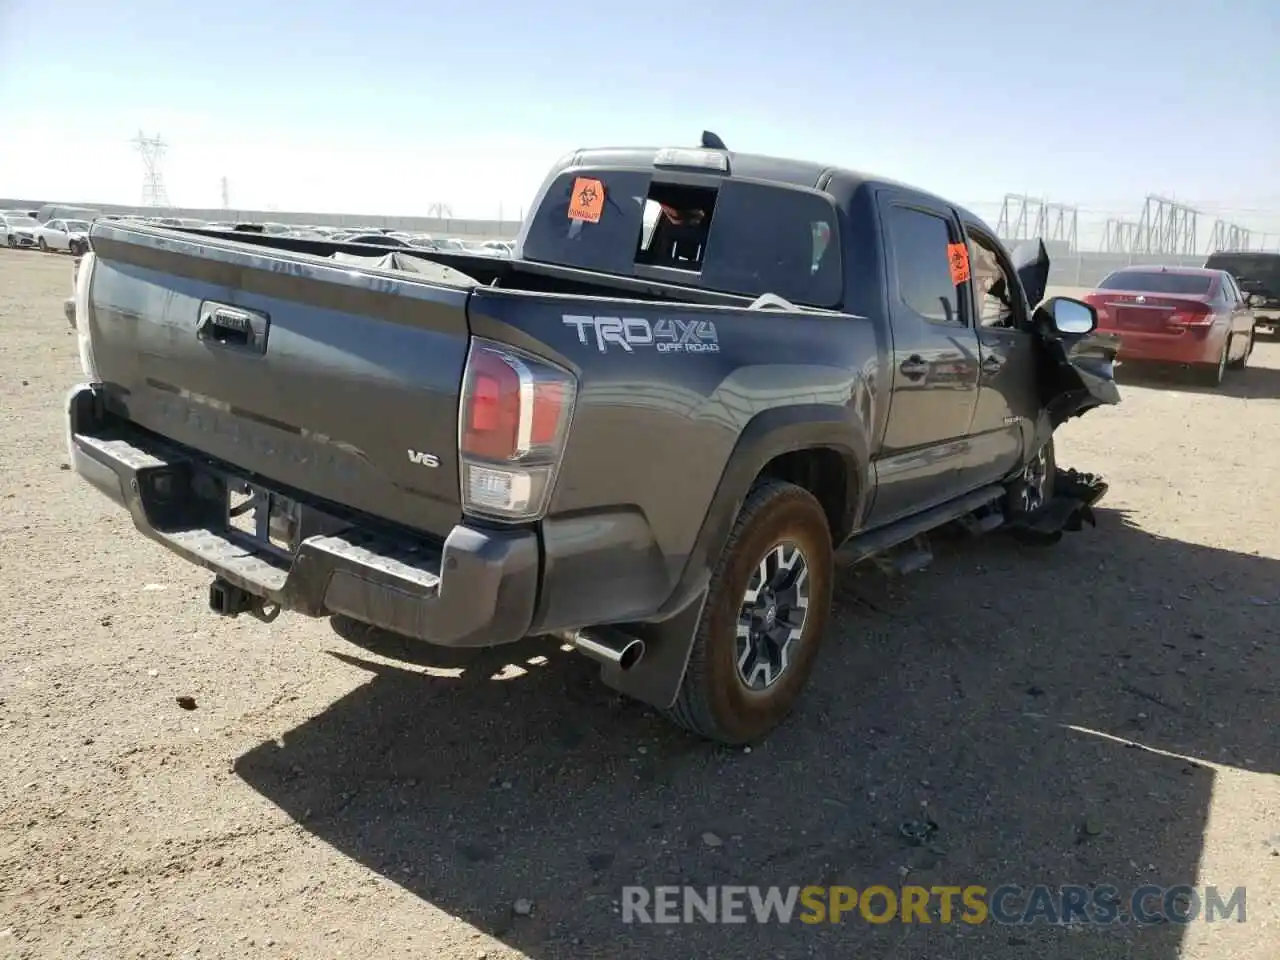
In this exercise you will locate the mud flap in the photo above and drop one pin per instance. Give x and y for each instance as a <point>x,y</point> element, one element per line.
<point>1074,496</point>
<point>656,678</point>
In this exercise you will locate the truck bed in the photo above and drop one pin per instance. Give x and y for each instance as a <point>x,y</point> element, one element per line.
<point>487,271</point>
<point>338,384</point>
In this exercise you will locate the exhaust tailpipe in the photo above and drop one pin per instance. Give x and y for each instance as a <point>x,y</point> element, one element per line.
<point>607,645</point>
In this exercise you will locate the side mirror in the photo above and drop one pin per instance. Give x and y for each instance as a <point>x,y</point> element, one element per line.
<point>1064,315</point>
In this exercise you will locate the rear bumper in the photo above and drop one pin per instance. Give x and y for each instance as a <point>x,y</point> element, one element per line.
<point>1192,346</point>
<point>478,588</point>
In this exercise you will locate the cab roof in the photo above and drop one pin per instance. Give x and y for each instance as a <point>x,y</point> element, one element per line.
<point>839,182</point>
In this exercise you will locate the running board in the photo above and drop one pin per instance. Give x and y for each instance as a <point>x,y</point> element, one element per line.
<point>864,546</point>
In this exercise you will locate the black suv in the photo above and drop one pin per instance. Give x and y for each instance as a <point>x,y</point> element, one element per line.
<point>1258,276</point>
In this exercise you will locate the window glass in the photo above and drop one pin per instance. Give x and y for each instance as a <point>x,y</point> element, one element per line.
<point>991,287</point>
<point>770,239</point>
<point>1158,281</point>
<point>736,236</point>
<point>919,242</point>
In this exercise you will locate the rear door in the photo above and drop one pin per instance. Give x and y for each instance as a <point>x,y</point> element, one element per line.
<point>55,234</point>
<point>934,357</point>
<point>1008,392</point>
<point>337,380</point>
<point>1241,317</point>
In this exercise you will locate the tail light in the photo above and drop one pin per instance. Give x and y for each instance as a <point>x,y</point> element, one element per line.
<point>1192,315</point>
<point>1099,305</point>
<point>83,279</point>
<point>512,424</point>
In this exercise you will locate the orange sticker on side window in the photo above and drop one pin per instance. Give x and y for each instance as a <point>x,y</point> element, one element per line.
<point>586,202</point>
<point>958,254</point>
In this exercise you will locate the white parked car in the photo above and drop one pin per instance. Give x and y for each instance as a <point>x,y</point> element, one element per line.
<point>63,235</point>
<point>18,230</point>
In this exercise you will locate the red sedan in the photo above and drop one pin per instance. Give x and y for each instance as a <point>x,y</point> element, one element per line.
<point>1189,316</point>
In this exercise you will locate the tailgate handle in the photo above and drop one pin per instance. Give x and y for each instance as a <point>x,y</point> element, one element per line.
<point>234,327</point>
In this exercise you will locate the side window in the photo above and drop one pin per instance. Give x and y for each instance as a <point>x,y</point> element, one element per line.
<point>1230,290</point>
<point>992,290</point>
<point>1225,293</point>
<point>919,243</point>
<point>55,225</point>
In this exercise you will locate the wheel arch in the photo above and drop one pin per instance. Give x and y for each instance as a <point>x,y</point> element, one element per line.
<point>803,444</point>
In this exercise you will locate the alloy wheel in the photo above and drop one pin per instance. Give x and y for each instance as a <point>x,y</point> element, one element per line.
<point>772,616</point>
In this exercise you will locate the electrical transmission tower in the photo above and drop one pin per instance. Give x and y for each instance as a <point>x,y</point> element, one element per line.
<point>440,211</point>
<point>1166,226</point>
<point>152,151</point>
<point>1121,236</point>
<point>226,195</point>
<point>1026,218</point>
<point>1228,236</point>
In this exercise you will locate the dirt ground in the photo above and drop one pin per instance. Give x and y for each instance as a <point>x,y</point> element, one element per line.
<point>1100,711</point>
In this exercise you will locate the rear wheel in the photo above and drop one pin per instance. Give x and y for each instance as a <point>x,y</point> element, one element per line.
<point>1212,374</point>
<point>1244,357</point>
<point>763,621</point>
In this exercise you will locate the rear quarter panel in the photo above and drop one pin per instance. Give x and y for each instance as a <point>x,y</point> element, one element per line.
<point>654,427</point>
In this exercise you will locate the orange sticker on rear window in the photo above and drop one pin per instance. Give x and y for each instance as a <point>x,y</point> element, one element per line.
<point>586,202</point>
<point>958,254</point>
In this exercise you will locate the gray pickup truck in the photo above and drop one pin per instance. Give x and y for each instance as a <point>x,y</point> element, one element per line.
<point>702,378</point>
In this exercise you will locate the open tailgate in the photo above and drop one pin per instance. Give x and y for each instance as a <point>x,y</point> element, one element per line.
<point>337,380</point>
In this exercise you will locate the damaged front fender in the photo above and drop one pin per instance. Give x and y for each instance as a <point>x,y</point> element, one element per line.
<point>1082,374</point>
<point>1076,369</point>
<point>1074,496</point>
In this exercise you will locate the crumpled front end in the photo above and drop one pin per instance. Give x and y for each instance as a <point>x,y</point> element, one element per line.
<point>1074,495</point>
<point>1085,378</point>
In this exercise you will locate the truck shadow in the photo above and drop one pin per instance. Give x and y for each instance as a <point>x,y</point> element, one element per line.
<point>1061,715</point>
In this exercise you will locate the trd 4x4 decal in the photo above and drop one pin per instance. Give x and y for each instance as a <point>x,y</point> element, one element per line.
<point>665,336</point>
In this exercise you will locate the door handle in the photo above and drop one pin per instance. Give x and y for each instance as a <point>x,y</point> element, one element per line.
<point>234,327</point>
<point>914,367</point>
<point>991,364</point>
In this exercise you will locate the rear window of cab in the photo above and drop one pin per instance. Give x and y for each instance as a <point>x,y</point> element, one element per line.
<point>736,236</point>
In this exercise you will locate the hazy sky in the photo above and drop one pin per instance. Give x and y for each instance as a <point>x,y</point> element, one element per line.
<point>388,107</point>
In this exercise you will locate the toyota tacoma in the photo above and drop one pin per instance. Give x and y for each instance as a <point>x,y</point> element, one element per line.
<point>702,377</point>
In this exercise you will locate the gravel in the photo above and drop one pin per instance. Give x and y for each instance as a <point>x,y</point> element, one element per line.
<point>341,792</point>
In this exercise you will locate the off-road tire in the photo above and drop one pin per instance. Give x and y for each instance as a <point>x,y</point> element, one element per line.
<point>713,701</point>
